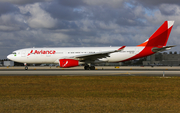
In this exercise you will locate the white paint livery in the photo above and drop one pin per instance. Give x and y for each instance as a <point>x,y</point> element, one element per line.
<point>170,24</point>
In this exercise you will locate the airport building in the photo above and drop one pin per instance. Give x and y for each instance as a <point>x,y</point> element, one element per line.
<point>8,63</point>
<point>164,59</point>
<point>1,63</point>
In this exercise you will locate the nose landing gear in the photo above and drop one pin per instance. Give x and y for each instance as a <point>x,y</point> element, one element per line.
<point>26,67</point>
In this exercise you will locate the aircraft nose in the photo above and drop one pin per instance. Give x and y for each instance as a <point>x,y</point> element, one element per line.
<point>9,57</point>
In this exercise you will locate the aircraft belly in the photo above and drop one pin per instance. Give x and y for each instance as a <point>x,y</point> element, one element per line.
<point>37,59</point>
<point>126,54</point>
<point>119,57</point>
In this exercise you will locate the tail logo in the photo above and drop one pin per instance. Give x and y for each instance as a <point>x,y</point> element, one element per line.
<point>160,37</point>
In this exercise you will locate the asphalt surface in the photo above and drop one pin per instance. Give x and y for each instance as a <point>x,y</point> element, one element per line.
<point>100,71</point>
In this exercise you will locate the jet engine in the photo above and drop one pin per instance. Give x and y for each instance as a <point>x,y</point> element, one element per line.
<point>65,63</point>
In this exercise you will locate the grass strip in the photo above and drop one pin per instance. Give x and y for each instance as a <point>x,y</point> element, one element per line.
<point>89,94</point>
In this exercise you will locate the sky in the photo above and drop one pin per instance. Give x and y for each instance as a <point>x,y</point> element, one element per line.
<point>83,23</point>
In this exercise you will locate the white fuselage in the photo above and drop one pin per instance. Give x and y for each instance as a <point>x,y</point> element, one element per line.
<point>52,55</point>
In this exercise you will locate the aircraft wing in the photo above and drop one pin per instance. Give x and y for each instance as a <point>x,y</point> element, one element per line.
<point>162,49</point>
<point>94,56</point>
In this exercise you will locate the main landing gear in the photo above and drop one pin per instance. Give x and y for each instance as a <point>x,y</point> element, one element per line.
<point>26,67</point>
<point>87,67</point>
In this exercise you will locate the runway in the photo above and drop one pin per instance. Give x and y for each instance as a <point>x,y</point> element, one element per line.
<point>100,71</point>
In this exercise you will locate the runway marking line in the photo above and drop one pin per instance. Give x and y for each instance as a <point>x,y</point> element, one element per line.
<point>127,73</point>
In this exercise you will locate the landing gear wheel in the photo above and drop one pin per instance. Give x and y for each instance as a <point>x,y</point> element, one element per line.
<point>26,67</point>
<point>86,67</point>
<point>92,68</point>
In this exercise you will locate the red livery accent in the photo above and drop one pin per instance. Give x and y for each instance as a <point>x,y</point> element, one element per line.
<point>158,39</point>
<point>145,52</point>
<point>65,63</point>
<point>30,53</point>
<point>143,44</point>
<point>122,47</point>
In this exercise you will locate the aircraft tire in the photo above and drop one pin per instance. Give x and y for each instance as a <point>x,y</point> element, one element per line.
<point>26,67</point>
<point>86,67</point>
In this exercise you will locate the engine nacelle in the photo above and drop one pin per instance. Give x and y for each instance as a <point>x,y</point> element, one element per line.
<point>65,63</point>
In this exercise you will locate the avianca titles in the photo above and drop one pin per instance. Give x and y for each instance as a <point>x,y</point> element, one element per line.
<point>89,56</point>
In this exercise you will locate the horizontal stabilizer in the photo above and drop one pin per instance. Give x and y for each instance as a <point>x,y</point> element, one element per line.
<point>155,49</point>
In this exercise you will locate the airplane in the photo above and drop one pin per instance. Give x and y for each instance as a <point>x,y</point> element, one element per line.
<point>89,56</point>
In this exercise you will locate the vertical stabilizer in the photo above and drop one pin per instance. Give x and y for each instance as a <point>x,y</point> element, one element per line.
<point>160,37</point>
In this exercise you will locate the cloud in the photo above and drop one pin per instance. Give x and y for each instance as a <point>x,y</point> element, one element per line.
<point>7,8</point>
<point>153,3</point>
<point>63,12</point>
<point>12,22</point>
<point>71,3</point>
<point>38,17</point>
<point>7,28</point>
<point>167,9</point>
<point>111,3</point>
<point>22,2</point>
<point>79,3</point>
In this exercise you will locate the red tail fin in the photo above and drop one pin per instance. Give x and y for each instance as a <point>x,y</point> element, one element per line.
<point>160,37</point>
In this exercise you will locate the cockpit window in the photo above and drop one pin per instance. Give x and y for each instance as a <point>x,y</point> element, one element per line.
<point>14,53</point>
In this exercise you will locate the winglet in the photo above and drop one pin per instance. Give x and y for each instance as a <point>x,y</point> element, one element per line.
<point>121,48</point>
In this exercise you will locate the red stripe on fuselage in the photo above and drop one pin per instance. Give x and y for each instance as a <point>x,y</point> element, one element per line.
<point>145,52</point>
